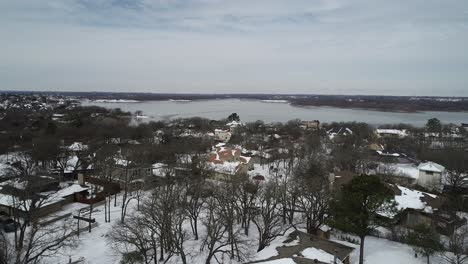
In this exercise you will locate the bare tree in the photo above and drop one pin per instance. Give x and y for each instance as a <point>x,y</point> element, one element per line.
<point>457,248</point>
<point>313,187</point>
<point>133,238</point>
<point>34,240</point>
<point>268,218</point>
<point>162,210</point>
<point>5,252</point>
<point>245,196</point>
<point>158,226</point>
<point>194,203</point>
<point>179,235</point>
<point>214,240</point>
<point>457,180</point>
<point>228,207</point>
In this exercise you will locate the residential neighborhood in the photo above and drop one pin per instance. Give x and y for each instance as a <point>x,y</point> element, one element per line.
<point>222,191</point>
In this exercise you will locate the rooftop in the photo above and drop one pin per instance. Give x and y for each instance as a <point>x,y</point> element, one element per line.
<point>431,166</point>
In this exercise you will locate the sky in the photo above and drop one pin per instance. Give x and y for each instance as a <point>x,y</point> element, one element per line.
<point>397,47</point>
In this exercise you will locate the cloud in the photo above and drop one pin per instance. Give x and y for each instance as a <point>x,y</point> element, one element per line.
<point>313,46</point>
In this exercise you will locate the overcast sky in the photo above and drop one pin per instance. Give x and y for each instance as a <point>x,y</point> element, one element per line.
<point>391,47</point>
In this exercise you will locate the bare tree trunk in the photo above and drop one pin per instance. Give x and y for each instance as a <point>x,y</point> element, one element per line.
<point>361,250</point>
<point>105,209</point>
<point>109,209</point>
<point>161,242</point>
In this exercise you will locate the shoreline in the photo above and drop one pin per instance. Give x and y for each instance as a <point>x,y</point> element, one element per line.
<point>274,101</point>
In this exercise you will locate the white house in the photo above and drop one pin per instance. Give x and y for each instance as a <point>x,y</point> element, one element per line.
<point>339,131</point>
<point>233,125</point>
<point>430,175</point>
<point>222,135</point>
<point>396,133</point>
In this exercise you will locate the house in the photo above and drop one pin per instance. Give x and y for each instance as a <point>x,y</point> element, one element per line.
<point>339,132</point>
<point>16,197</point>
<point>313,125</point>
<point>391,133</point>
<point>233,125</point>
<point>430,175</point>
<point>303,248</point>
<point>124,171</point>
<point>225,162</point>
<point>77,147</point>
<point>222,135</point>
<point>98,189</point>
<point>417,207</point>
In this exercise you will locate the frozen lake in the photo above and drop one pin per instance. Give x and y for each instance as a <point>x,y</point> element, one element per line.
<point>252,110</point>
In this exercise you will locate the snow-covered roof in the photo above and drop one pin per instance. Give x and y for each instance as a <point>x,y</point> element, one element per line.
<point>245,159</point>
<point>234,124</point>
<point>49,197</point>
<point>431,166</point>
<point>225,167</point>
<point>339,131</point>
<point>74,188</point>
<point>412,199</point>
<point>280,261</point>
<point>77,146</point>
<point>399,169</point>
<point>406,198</point>
<point>318,254</point>
<point>162,170</point>
<point>381,153</point>
<point>122,162</point>
<point>399,132</point>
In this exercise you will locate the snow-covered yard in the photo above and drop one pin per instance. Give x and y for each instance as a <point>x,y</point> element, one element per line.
<point>94,247</point>
<point>383,251</point>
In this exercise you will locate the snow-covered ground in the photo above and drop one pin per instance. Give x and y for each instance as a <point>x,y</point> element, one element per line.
<point>94,247</point>
<point>5,161</point>
<point>383,251</point>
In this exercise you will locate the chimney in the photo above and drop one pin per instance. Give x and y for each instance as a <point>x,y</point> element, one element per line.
<point>81,179</point>
<point>331,180</point>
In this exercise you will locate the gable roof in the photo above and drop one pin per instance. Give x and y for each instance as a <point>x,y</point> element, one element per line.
<point>410,199</point>
<point>431,166</point>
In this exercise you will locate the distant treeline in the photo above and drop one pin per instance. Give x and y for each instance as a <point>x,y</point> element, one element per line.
<point>387,103</point>
<point>384,103</point>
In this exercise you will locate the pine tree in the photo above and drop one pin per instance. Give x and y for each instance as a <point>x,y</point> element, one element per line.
<point>425,240</point>
<point>359,207</point>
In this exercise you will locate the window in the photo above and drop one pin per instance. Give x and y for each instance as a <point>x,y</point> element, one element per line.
<point>429,172</point>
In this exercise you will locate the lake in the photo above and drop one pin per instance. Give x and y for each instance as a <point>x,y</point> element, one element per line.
<point>252,110</point>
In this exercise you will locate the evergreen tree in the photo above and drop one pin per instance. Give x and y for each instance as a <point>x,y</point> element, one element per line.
<point>234,117</point>
<point>425,240</point>
<point>434,125</point>
<point>360,206</point>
